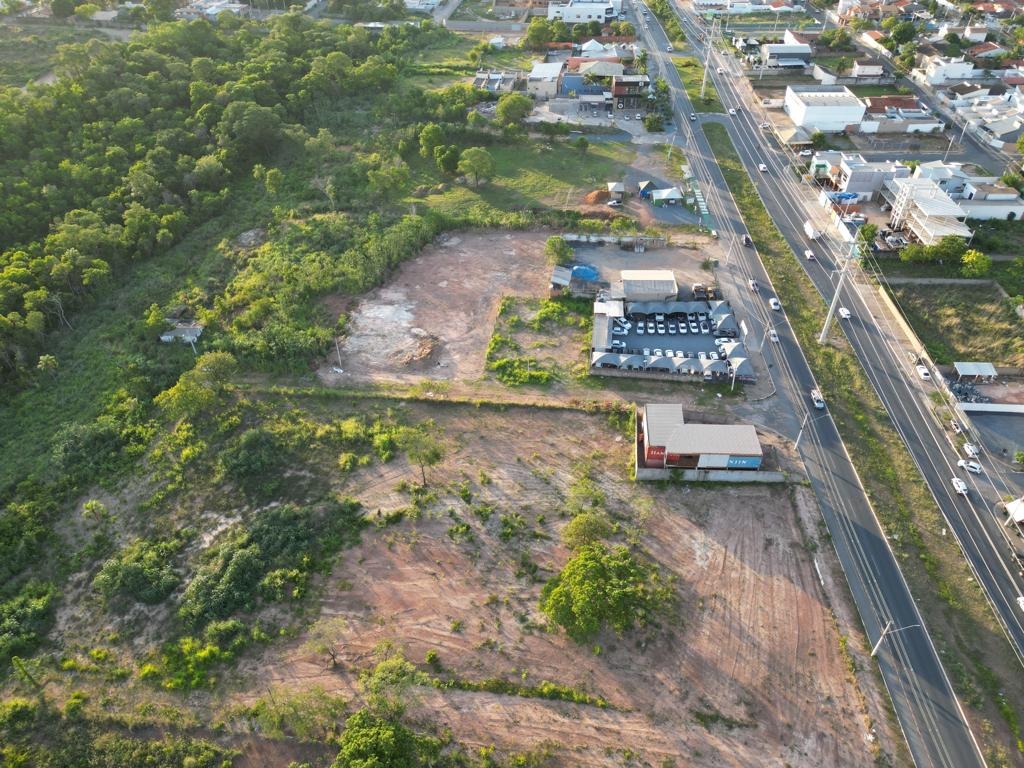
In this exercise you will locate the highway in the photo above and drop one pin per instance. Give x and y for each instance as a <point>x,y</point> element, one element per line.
<point>928,711</point>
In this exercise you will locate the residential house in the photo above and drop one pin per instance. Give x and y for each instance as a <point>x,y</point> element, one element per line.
<point>497,82</point>
<point>864,68</point>
<point>851,174</point>
<point>964,94</point>
<point>986,51</point>
<point>969,33</point>
<point>939,70</point>
<point>545,79</point>
<point>616,190</point>
<point>898,114</point>
<point>981,197</point>
<point>825,108</point>
<point>666,441</point>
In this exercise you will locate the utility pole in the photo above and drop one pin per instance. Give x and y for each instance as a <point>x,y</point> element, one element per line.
<point>707,56</point>
<point>801,432</point>
<point>823,337</point>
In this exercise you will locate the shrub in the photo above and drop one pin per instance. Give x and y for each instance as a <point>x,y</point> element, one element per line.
<point>255,461</point>
<point>586,528</point>
<point>141,571</point>
<point>24,619</point>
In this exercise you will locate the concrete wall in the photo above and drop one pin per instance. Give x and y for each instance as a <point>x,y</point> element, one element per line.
<point>711,475</point>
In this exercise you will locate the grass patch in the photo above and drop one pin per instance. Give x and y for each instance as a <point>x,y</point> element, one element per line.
<point>27,53</point>
<point>691,73</point>
<point>544,690</point>
<point>875,90</point>
<point>533,176</point>
<point>960,619</point>
<point>963,322</point>
<point>1008,274</point>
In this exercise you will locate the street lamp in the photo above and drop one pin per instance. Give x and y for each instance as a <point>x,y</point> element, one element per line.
<point>889,631</point>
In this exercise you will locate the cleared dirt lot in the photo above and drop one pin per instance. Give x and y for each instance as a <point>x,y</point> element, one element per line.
<point>753,652</point>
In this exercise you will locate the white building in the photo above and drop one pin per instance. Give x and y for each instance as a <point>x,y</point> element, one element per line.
<point>939,70</point>
<point>544,79</point>
<point>825,108</point>
<point>924,210</point>
<point>581,12</point>
<point>980,197</point>
<point>786,56</point>
<point>851,173</point>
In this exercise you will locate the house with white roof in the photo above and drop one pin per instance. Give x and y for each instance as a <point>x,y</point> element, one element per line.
<point>920,207</point>
<point>825,108</point>
<point>544,79</point>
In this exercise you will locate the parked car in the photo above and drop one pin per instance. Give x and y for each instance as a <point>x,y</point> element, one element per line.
<point>844,313</point>
<point>809,254</point>
<point>639,116</point>
<point>671,327</point>
<point>625,117</point>
<point>658,353</point>
<point>694,327</point>
<point>647,351</point>
<point>650,326</point>
<point>623,322</point>
<point>805,153</point>
<point>670,353</point>
<point>682,327</point>
<point>922,371</point>
<point>614,203</point>
<point>971,450</point>
<point>721,340</point>
<point>661,328</point>
<point>773,336</point>
<point>704,327</point>
<point>618,330</point>
<point>616,344</point>
<point>971,466</point>
<point>640,329</point>
<point>959,486</point>
<point>775,304</point>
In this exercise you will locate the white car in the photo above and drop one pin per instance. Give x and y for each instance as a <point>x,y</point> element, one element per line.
<point>623,322</point>
<point>1020,602</point>
<point>959,486</point>
<point>668,48</point>
<point>817,399</point>
<point>720,71</point>
<point>971,466</point>
<point>640,329</point>
<point>955,426</point>
<point>844,313</point>
<point>762,168</point>
<point>765,126</point>
<point>809,254</point>
<point>722,340</point>
<point>922,371</point>
<point>732,112</point>
<point>661,328</point>
<point>616,344</point>
<point>773,336</point>
<point>658,353</point>
<point>614,203</point>
<point>971,450</point>
<point>647,351</point>
<point>619,331</point>
<point>693,117</point>
<point>775,304</point>
<point>805,153</point>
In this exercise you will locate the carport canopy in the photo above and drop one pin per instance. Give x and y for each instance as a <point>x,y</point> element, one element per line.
<point>592,99</point>
<point>975,369</point>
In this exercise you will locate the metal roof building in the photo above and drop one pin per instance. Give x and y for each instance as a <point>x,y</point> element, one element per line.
<point>666,441</point>
<point>649,284</point>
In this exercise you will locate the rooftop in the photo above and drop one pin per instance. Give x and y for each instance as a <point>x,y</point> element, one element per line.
<point>825,95</point>
<point>546,70</point>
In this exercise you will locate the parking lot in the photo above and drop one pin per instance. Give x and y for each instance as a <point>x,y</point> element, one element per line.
<point>678,334</point>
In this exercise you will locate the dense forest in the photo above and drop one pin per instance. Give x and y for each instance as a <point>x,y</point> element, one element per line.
<point>136,153</point>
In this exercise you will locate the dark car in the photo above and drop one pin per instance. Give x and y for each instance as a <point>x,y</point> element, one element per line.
<point>747,241</point>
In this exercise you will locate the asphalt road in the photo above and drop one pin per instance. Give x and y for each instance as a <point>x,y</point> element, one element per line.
<point>925,704</point>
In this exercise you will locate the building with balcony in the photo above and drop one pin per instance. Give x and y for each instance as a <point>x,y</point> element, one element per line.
<point>922,209</point>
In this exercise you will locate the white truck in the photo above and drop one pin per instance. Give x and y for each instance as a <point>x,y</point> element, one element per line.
<point>812,233</point>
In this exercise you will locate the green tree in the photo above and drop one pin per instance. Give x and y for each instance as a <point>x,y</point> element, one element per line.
<point>538,34</point>
<point>423,446</point>
<point>86,10</point>
<point>513,108</point>
<point>62,9</point>
<point>478,163</point>
<point>558,251</point>
<point>581,144</point>
<point>867,234</point>
<point>975,264</point>
<point>447,159</point>
<point>370,741</point>
<point>431,137</point>
<point>199,388</point>
<point>818,140</point>
<point>586,528</point>
<point>844,64</point>
<point>604,588</point>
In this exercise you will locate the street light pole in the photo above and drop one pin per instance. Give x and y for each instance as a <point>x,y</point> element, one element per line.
<point>800,434</point>
<point>823,336</point>
<point>889,631</point>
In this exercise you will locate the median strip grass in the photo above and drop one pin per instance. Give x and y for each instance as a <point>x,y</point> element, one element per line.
<point>958,616</point>
<point>691,73</point>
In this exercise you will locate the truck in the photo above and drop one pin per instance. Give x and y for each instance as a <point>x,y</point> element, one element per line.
<point>812,233</point>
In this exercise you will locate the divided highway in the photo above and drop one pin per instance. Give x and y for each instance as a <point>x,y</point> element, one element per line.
<point>927,708</point>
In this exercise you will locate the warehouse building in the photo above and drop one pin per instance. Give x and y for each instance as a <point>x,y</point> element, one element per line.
<point>649,285</point>
<point>666,441</point>
<point>825,108</point>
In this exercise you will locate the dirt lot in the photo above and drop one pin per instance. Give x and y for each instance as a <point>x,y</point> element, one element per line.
<point>754,651</point>
<point>436,317</point>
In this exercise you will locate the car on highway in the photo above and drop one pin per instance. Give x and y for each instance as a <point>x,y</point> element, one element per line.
<point>817,399</point>
<point>955,426</point>
<point>1020,602</point>
<point>922,371</point>
<point>693,117</point>
<point>959,486</point>
<point>762,168</point>
<point>971,450</point>
<point>720,71</point>
<point>765,126</point>
<point>971,466</point>
<point>844,313</point>
<point>668,48</point>
<point>753,285</point>
<point>626,117</point>
<point>773,336</point>
<point>732,112</point>
<point>809,254</point>
<point>747,241</point>
<point>775,304</point>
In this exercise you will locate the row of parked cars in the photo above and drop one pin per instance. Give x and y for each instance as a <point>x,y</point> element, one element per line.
<point>675,324</point>
<point>717,354</point>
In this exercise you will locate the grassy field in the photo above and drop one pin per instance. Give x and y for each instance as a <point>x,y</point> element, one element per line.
<point>28,52</point>
<point>972,645</point>
<point>963,322</point>
<point>444,64</point>
<point>691,73</point>
<point>538,176</point>
<point>875,90</point>
<point>1007,273</point>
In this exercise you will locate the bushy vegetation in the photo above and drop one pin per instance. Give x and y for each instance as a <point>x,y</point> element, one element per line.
<point>604,588</point>
<point>141,571</point>
<point>24,618</point>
